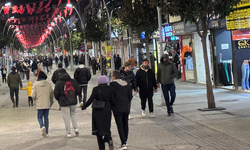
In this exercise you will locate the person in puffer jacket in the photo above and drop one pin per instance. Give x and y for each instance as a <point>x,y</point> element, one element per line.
<point>42,93</point>
<point>165,76</point>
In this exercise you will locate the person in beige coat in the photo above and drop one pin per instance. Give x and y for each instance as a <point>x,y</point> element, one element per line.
<point>42,93</point>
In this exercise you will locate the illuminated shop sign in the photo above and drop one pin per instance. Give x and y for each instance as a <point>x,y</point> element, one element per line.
<point>239,18</point>
<point>243,44</point>
<point>168,29</point>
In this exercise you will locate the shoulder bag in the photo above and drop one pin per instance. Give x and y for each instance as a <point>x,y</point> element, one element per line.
<point>98,104</point>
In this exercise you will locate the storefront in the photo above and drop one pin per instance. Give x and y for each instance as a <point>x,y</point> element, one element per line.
<point>238,24</point>
<point>198,73</point>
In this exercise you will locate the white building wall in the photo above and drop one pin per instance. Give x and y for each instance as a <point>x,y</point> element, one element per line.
<point>199,58</point>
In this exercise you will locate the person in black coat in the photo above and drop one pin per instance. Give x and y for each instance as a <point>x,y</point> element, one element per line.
<point>123,97</point>
<point>34,66</point>
<point>82,75</point>
<point>101,118</point>
<point>66,62</point>
<point>118,63</point>
<point>55,76</point>
<point>146,82</point>
<point>68,111</point>
<point>94,65</point>
<point>22,70</point>
<point>61,58</point>
<point>3,72</point>
<point>56,60</point>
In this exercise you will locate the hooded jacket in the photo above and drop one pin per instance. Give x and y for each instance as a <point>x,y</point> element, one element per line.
<point>82,75</point>
<point>145,79</point>
<point>42,93</point>
<point>28,88</point>
<point>123,95</point>
<point>166,71</point>
<point>129,77</point>
<point>59,89</point>
<point>14,80</point>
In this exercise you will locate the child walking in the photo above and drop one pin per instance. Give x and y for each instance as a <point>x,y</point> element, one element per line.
<point>29,90</point>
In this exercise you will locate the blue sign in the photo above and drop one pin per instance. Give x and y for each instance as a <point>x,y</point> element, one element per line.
<point>168,29</point>
<point>143,35</point>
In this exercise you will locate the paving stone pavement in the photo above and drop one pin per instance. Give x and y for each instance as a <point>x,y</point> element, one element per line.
<point>19,128</point>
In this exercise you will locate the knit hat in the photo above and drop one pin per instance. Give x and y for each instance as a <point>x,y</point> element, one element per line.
<point>103,80</point>
<point>42,75</point>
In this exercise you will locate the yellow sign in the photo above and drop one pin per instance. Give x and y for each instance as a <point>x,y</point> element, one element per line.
<point>108,52</point>
<point>238,19</point>
<point>243,3</point>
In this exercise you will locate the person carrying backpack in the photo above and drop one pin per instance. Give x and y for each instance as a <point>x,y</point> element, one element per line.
<point>66,91</point>
<point>82,75</point>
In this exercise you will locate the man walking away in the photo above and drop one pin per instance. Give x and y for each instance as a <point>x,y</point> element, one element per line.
<point>55,76</point>
<point>94,65</point>
<point>82,75</point>
<point>165,76</point>
<point>3,72</point>
<point>121,109</point>
<point>56,60</point>
<point>42,93</point>
<point>66,91</point>
<point>14,80</point>
<point>146,82</point>
<point>118,63</point>
<point>34,66</point>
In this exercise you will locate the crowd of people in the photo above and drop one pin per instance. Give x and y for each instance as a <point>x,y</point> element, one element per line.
<point>107,97</point>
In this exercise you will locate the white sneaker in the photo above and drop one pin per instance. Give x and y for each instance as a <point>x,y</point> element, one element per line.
<point>47,135</point>
<point>43,131</point>
<point>76,132</point>
<point>68,135</point>
<point>81,104</point>
<point>130,117</point>
<point>123,147</point>
<point>152,115</point>
<point>143,113</point>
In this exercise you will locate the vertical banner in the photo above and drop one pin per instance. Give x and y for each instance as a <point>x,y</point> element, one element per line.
<point>108,52</point>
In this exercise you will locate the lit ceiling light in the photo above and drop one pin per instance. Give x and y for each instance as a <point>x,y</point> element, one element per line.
<point>7,4</point>
<point>69,5</point>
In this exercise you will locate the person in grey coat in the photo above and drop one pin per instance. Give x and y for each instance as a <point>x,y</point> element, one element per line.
<point>165,76</point>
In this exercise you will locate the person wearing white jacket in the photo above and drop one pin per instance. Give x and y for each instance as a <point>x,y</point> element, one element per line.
<point>42,93</point>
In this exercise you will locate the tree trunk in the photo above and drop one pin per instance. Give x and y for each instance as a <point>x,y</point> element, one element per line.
<point>100,57</point>
<point>210,94</point>
<point>123,53</point>
<point>147,50</point>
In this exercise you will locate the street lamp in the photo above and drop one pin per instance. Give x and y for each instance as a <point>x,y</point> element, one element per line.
<point>61,37</point>
<point>7,23</point>
<point>69,5</point>
<point>50,28</point>
<point>6,4</point>
<point>110,32</point>
<point>70,44</point>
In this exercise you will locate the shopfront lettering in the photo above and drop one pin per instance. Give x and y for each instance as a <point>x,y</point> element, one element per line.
<point>243,44</point>
<point>239,19</point>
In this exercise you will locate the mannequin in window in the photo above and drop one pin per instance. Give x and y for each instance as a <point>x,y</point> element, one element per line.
<point>245,74</point>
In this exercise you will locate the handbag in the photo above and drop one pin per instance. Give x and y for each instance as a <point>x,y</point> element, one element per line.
<point>99,104</point>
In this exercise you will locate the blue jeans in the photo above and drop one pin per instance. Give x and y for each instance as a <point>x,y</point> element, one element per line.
<point>245,76</point>
<point>166,89</point>
<point>43,114</point>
